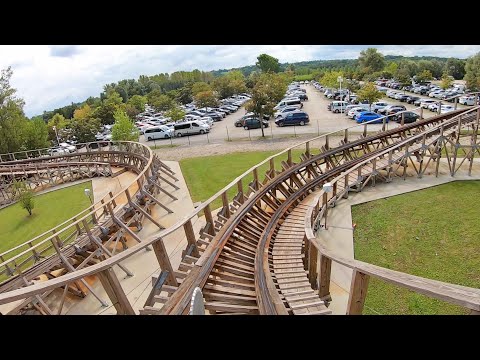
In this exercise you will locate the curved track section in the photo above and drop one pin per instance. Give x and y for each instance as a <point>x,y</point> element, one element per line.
<point>258,255</point>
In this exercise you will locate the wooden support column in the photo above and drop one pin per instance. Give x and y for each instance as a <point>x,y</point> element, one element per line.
<point>209,218</point>
<point>312,265</point>
<point>324,278</point>
<point>240,191</point>
<point>225,204</point>
<point>188,227</point>
<point>289,160</point>
<point>164,261</point>
<point>307,149</point>
<point>115,292</point>
<point>358,293</point>
<point>113,200</point>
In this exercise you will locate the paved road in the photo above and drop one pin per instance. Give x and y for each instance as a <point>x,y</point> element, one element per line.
<point>321,121</point>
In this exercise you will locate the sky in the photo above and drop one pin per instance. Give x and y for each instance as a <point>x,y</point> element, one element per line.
<point>48,77</point>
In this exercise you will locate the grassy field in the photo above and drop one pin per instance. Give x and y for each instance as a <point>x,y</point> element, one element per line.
<point>433,233</point>
<point>50,209</point>
<point>207,175</point>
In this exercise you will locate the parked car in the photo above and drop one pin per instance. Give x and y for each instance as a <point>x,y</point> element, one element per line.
<point>395,109</point>
<point>191,128</point>
<point>294,118</point>
<point>369,116</point>
<point>412,99</point>
<point>282,112</point>
<point>467,100</point>
<point>158,132</point>
<point>378,105</point>
<point>338,106</point>
<point>352,114</point>
<point>67,146</point>
<point>254,123</point>
<point>426,102</point>
<point>409,117</point>
<point>57,151</point>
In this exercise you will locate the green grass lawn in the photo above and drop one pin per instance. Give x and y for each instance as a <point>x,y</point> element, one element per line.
<point>207,175</point>
<point>51,209</point>
<point>433,233</point>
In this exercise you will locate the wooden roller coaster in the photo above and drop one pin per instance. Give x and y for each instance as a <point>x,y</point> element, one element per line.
<point>258,254</point>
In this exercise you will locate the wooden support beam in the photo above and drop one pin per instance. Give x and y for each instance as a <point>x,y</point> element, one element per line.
<point>168,182</point>
<point>324,278</point>
<point>164,261</point>
<point>150,196</point>
<point>225,204</point>
<point>163,190</point>
<point>312,264</point>
<point>208,216</point>
<point>115,292</point>
<point>190,234</point>
<point>139,208</point>
<point>358,293</point>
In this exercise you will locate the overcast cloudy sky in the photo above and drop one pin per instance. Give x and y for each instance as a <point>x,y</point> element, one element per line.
<point>48,77</point>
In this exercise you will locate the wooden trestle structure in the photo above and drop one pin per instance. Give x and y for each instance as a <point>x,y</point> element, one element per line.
<point>258,254</point>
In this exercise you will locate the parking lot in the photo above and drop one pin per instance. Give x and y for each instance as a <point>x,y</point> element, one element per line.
<point>321,121</point>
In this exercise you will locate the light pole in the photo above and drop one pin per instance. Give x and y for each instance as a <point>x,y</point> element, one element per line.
<point>56,134</point>
<point>340,79</point>
<point>88,194</point>
<point>327,188</point>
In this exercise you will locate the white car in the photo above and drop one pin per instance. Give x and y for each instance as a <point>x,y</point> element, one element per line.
<point>67,146</point>
<point>467,100</point>
<point>379,105</point>
<point>57,151</point>
<point>424,104</point>
<point>352,114</point>
<point>433,107</point>
<point>398,96</point>
<point>207,120</point>
<point>446,109</point>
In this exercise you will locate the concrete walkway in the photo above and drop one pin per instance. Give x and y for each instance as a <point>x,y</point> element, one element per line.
<point>339,234</point>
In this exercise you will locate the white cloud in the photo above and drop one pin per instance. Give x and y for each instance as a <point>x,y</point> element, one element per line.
<point>52,76</point>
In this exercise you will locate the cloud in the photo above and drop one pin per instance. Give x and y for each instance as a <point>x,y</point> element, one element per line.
<point>64,50</point>
<point>49,77</point>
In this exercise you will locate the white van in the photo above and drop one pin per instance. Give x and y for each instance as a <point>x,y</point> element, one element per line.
<point>338,106</point>
<point>158,132</point>
<point>288,102</point>
<point>191,128</point>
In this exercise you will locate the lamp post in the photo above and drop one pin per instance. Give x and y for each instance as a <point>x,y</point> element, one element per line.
<point>56,134</point>
<point>327,188</point>
<point>340,79</point>
<point>88,194</point>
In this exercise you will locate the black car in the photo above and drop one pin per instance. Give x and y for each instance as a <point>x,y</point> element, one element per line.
<point>409,117</point>
<point>294,118</point>
<point>403,98</point>
<point>302,97</point>
<point>412,99</point>
<point>395,109</point>
<point>253,123</point>
<point>215,116</point>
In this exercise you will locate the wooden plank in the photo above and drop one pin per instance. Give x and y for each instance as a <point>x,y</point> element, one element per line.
<point>324,276</point>
<point>358,293</point>
<point>164,261</point>
<point>217,306</point>
<point>190,234</point>
<point>307,305</point>
<point>115,292</point>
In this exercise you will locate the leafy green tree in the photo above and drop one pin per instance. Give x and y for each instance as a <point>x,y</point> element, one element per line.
<point>447,81</point>
<point>58,123</point>
<point>175,113</point>
<point>138,102</point>
<point>185,95</point>
<point>124,129</point>
<point>24,195</point>
<point>36,135</point>
<point>370,60</point>
<point>206,99</point>
<point>424,75</point>
<point>330,79</point>
<point>83,112</point>
<point>407,68</point>
<point>472,72</point>
<point>268,63</point>
<point>455,67</point>
<point>85,130</point>
<point>390,70</point>
<point>403,76</point>
<point>109,106</point>
<point>369,93</point>
<point>200,87</point>
<point>267,92</point>
<point>12,119</point>
<point>162,103</point>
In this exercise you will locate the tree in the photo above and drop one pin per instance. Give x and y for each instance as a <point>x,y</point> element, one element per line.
<point>162,103</point>
<point>268,63</point>
<point>403,76</point>
<point>390,70</point>
<point>206,99</point>
<point>109,106</point>
<point>369,93</point>
<point>12,118</point>
<point>60,123</point>
<point>138,102</point>
<point>200,87</point>
<point>36,135</point>
<point>330,79</point>
<point>175,113</point>
<point>24,195</point>
<point>266,93</point>
<point>424,75</point>
<point>472,72</point>
<point>455,67</point>
<point>185,95</point>
<point>83,113</point>
<point>447,81</point>
<point>85,130</point>
<point>124,129</point>
<point>370,60</point>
